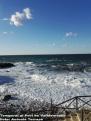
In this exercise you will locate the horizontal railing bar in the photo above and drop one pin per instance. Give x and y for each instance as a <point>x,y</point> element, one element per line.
<point>65,101</point>
<point>73,98</point>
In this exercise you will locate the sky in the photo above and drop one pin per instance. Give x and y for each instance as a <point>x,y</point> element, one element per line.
<point>45,27</point>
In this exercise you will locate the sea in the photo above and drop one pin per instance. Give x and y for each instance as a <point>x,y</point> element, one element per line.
<point>46,77</point>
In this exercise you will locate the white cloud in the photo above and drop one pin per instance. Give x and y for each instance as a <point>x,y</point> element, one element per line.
<point>5,32</point>
<point>71,34</point>
<point>4,19</point>
<point>18,18</point>
<point>27,13</point>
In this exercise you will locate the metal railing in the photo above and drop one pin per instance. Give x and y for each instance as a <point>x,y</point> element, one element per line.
<point>75,103</point>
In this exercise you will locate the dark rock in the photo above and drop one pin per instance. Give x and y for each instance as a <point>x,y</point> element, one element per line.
<point>7,71</point>
<point>6,65</point>
<point>67,112</point>
<point>7,97</point>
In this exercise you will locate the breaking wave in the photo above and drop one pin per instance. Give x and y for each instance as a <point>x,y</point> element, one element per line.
<point>42,81</point>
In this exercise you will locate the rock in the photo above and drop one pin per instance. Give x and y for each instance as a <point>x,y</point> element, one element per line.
<point>67,112</point>
<point>6,65</point>
<point>7,98</point>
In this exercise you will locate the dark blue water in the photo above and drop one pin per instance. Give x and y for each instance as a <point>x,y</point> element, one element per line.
<point>80,62</point>
<point>73,58</point>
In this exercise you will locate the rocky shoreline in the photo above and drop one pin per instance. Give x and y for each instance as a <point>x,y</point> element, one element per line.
<point>6,65</point>
<point>8,107</point>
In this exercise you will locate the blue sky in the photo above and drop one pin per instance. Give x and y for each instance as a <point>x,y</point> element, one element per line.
<point>45,26</point>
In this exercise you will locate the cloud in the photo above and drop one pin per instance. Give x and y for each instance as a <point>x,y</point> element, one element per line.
<point>27,13</point>
<point>71,34</point>
<point>18,18</point>
<point>5,32</point>
<point>4,19</point>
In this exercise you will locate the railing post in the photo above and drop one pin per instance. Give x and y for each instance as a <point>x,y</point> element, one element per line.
<point>51,106</point>
<point>82,115</point>
<point>76,103</point>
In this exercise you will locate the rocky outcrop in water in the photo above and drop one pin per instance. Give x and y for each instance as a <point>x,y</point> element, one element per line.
<point>7,98</point>
<point>6,65</point>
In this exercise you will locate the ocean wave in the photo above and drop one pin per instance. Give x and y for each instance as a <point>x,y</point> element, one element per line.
<point>33,82</point>
<point>70,67</point>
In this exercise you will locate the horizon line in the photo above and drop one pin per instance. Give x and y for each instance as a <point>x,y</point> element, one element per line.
<point>46,54</point>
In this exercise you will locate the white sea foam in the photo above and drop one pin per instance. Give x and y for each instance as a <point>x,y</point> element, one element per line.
<point>31,82</point>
